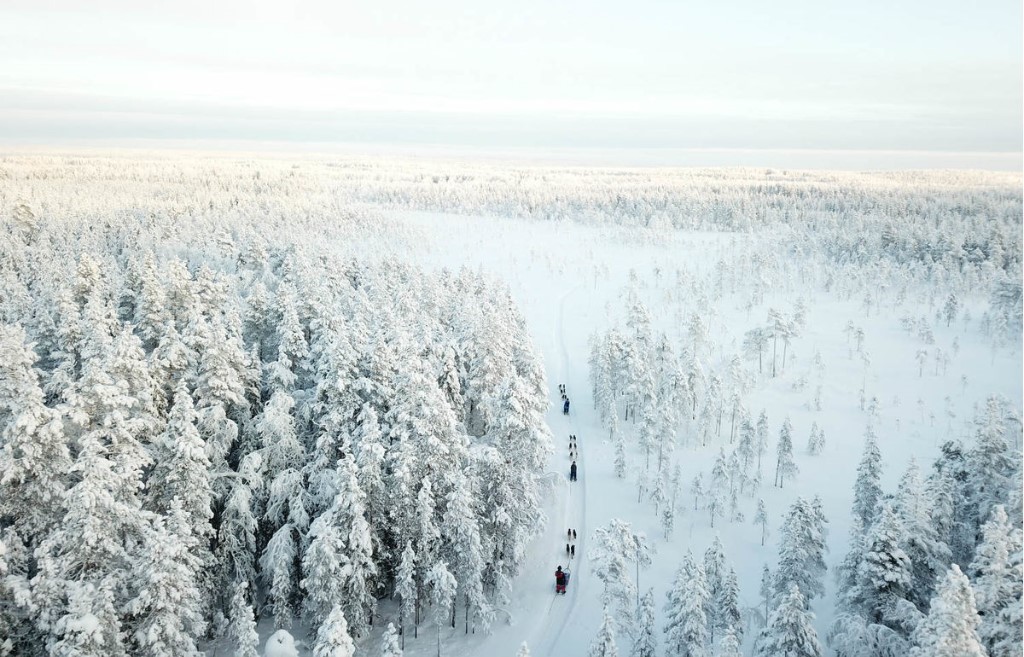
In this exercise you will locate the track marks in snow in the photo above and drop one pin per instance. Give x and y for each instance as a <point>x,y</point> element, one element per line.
<point>575,511</point>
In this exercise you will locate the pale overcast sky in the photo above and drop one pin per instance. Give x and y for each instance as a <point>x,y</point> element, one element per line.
<point>885,75</point>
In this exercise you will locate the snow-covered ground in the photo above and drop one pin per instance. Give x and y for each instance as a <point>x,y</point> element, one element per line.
<point>569,281</point>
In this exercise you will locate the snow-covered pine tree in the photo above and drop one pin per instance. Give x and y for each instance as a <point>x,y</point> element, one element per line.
<point>332,637</point>
<point>761,518</point>
<point>616,546</point>
<point>950,628</point>
<point>645,643</point>
<point>604,643</point>
<point>790,629</point>
<point>761,438</point>
<point>718,490</point>
<point>620,454</point>
<point>747,447</point>
<point>697,490</point>
<point>735,512</point>
<point>766,590</point>
<point>867,490</point>
<point>686,622</point>
<point>785,466</point>
<point>816,443</point>
<point>524,650</point>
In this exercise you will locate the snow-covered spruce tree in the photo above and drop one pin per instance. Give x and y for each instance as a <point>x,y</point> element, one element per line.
<point>524,650</point>
<point>389,643</point>
<point>991,464</point>
<point>929,555</point>
<point>235,553</point>
<point>885,575</point>
<point>464,551</point>
<point>441,586</point>
<point>89,625</point>
<point>34,457</point>
<point>424,530</point>
<point>714,578</point>
<point>801,551</point>
<point>277,568</point>
<point>790,630</point>
<point>86,555</point>
<point>292,349</point>
<point>369,448</point>
<point>727,605</point>
<point>408,592</point>
<point>686,622</point>
<point>338,567</point>
<point>729,646</point>
<point>510,514</point>
<point>332,638</point>
<point>645,644</point>
<point>182,469</point>
<point>168,609</point>
<point>867,490</point>
<point>241,631</point>
<point>997,584</point>
<point>950,628</point>
<point>718,491</point>
<point>604,643</point>
<point>785,466</point>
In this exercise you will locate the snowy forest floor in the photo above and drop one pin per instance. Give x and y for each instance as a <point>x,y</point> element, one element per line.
<point>570,280</point>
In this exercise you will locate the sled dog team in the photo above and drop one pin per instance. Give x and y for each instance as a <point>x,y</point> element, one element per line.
<point>562,576</point>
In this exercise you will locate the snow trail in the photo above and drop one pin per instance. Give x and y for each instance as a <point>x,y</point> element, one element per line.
<point>558,617</point>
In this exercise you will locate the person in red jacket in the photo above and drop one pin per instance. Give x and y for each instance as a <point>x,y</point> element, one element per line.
<point>560,581</point>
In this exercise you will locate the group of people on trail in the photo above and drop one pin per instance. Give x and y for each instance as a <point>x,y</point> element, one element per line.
<point>565,399</point>
<point>570,547</point>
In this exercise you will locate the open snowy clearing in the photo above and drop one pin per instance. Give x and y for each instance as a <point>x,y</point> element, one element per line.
<point>570,282</point>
